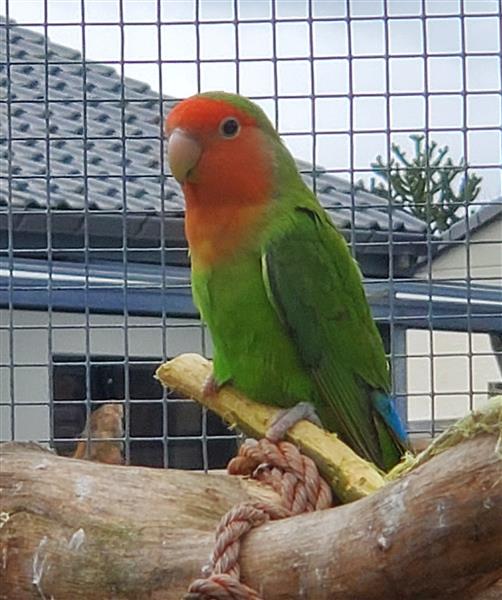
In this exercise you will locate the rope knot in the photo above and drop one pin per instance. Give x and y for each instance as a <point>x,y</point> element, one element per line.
<point>301,489</point>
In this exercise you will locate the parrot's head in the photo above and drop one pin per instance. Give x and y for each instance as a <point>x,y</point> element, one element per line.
<point>220,139</point>
<point>225,154</point>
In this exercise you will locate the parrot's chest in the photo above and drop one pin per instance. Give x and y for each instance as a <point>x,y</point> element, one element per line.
<point>251,345</point>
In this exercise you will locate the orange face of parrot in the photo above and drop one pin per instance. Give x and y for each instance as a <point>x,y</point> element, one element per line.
<point>224,164</point>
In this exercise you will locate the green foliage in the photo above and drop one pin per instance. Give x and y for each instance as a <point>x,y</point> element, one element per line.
<point>424,185</point>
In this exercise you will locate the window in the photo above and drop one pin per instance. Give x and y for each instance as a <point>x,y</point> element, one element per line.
<point>163,430</point>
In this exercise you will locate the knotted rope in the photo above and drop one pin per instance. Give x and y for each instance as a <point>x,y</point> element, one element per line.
<point>301,489</point>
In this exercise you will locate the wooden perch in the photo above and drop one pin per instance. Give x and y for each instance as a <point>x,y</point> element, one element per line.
<point>75,530</point>
<point>350,476</point>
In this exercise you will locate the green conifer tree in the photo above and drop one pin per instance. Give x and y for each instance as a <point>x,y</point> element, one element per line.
<point>424,185</point>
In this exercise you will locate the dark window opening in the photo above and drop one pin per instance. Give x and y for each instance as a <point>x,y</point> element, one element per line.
<point>161,430</point>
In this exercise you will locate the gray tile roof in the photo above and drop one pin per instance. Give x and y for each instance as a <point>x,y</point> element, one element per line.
<point>52,133</point>
<point>100,138</point>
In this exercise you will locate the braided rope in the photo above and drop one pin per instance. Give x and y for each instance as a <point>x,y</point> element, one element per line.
<point>301,489</point>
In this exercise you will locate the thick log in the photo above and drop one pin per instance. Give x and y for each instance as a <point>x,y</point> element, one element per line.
<point>349,475</point>
<point>435,534</point>
<point>77,529</point>
<point>494,592</point>
<point>74,529</point>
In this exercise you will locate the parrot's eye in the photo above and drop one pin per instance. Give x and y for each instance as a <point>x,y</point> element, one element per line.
<point>230,127</point>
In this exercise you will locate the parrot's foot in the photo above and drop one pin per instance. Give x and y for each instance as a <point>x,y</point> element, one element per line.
<point>211,387</point>
<point>289,417</point>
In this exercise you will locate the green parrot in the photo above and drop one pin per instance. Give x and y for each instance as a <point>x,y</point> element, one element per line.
<point>274,279</point>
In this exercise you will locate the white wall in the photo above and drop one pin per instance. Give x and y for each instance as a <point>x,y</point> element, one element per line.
<point>484,257</point>
<point>442,365</point>
<point>30,355</point>
<point>449,368</point>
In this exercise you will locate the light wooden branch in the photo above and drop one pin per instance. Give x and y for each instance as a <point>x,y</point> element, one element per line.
<point>350,476</point>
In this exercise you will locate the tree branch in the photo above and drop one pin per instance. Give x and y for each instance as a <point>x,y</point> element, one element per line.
<point>72,529</point>
<point>350,476</point>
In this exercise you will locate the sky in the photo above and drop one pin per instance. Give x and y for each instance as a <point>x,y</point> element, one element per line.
<point>320,91</point>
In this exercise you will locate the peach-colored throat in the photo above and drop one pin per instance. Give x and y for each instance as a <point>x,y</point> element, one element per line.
<point>228,195</point>
<point>216,232</point>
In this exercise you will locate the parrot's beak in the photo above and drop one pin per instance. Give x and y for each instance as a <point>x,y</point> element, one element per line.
<point>183,152</point>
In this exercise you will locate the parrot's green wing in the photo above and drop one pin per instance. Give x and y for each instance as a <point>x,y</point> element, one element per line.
<point>316,288</point>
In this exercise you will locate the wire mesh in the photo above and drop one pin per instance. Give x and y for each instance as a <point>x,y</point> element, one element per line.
<point>94,283</point>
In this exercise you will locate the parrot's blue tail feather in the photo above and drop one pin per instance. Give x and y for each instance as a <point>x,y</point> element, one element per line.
<point>387,410</point>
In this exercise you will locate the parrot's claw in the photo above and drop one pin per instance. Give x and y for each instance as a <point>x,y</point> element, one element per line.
<point>210,387</point>
<point>289,417</point>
